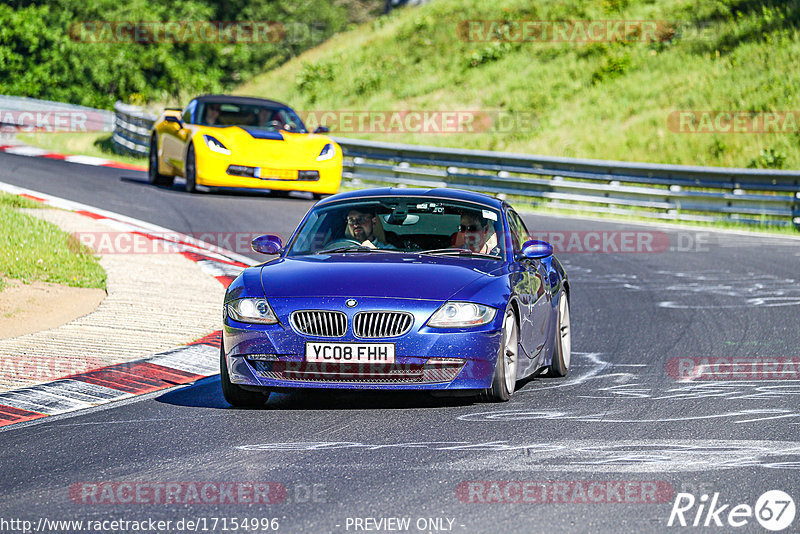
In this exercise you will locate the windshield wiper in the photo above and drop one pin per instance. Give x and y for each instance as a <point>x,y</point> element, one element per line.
<point>349,248</point>
<point>456,251</point>
<point>354,248</point>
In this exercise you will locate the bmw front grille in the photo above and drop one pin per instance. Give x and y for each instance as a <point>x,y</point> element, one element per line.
<point>382,324</point>
<point>320,323</point>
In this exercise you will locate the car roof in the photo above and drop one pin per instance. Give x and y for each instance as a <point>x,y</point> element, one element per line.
<point>438,192</point>
<point>231,99</point>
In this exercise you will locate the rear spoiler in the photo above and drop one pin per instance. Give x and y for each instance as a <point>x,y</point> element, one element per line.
<point>173,109</point>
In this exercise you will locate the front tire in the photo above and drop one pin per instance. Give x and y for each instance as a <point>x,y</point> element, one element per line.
<point>190,170</point>
<point>235,395</point>
<point>563,355</point>
<point>153,174</point>
<point>505,371</point>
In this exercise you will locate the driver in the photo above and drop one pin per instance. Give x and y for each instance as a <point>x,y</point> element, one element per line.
<point>212,114</point>
<point>364,227</point>
<point>265,116</point>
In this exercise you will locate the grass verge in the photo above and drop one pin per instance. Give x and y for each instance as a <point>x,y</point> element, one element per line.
<point>32,249</point>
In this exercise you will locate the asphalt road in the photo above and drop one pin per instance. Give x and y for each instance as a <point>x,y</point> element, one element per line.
<point>613,444</point>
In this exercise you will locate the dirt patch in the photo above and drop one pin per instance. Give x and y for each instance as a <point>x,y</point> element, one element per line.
<point>28,308</point>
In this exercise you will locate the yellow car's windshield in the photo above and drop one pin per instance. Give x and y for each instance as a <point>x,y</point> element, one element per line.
<point>270,118</point>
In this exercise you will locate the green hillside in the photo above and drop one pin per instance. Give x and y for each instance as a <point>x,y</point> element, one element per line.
<point>609,100</point>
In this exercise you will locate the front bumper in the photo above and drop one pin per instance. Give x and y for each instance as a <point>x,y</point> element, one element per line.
<point>426,358</point>
<point>214,170</point>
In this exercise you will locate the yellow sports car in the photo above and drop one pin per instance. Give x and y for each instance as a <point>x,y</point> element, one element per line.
<point>221,141</point>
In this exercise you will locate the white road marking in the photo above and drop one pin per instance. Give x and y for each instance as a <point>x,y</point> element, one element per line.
<point>197,359</point>
<point>26,151</point>
<point>87,160</point>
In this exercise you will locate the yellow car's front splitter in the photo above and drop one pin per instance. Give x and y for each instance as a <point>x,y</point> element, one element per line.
<point>225,172</point>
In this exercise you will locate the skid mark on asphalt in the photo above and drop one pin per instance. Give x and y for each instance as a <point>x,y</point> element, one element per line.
<point>681,289</point>
<point>738,416</point>
<point>600,381</point>
<point>633,456</point>
<point>694,391</point>
<point>629,385</point>
<point>596,366</point>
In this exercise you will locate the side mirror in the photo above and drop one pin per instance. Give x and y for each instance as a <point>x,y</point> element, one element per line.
<point>267,244</point>
<point>322,129</point>
<point>173,119</point>
<point>535,249</point>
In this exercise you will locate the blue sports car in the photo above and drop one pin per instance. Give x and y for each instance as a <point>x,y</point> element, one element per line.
<point>425,289</point>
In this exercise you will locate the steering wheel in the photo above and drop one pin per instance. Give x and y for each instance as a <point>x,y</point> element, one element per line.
<point>275,125</point>
<point>336,243</point>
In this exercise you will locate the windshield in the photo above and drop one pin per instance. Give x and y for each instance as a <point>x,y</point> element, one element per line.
<point>402,224</point>
<point>263,117</point>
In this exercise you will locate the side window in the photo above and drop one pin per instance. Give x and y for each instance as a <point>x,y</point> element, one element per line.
<point>188,112</point>
<point>514,228</point>
<point>519,232</point>
<point>524,235</point>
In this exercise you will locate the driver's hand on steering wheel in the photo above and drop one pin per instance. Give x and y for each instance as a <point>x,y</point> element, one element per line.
<point>368,244</point>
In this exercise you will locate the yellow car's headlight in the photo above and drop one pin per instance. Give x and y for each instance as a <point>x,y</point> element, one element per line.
<point>215,145</point>
<point>327,152</point>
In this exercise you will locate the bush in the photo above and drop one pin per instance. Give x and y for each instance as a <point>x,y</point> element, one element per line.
<point>47,52</point>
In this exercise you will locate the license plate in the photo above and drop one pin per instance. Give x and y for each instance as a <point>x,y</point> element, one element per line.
<point>350,352</point>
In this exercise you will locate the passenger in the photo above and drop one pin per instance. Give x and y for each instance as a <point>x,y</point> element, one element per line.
<point>366,228</point>
<point>476,234</point>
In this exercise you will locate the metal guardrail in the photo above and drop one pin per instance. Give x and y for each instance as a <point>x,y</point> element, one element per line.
<point>132,130</point>
<point>678,192</point>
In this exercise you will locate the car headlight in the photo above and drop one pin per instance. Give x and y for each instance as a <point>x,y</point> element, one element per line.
<point>251,310</point>
<point>215,145</point>
<point>328,151</point>
<point>461,314</point>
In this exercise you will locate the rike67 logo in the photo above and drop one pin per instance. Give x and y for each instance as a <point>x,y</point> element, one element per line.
<point>774,510</point>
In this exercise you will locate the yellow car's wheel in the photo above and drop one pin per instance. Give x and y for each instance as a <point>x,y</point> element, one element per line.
<point>153,174</point>
<point>190,170</point>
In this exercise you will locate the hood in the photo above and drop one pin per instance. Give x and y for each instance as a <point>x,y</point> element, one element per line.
<point>258,133</point>
<point>373,275</point>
